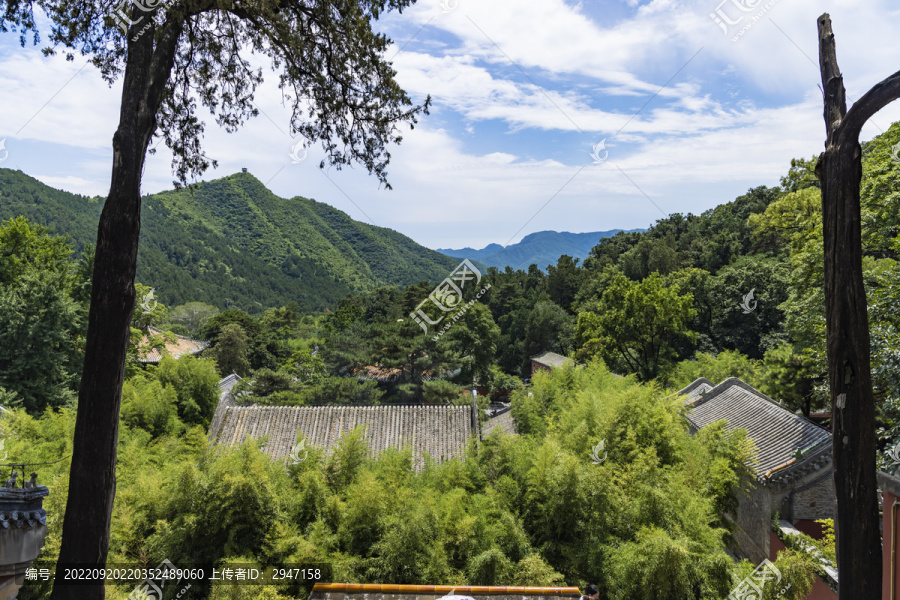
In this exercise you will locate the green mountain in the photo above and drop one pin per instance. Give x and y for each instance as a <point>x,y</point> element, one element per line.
<point>541,248</point>
<point>233,243</point>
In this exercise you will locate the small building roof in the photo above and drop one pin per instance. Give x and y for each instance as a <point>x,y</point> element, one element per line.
<point>226,384</point>
<point>442,432</point>
<point>182,346</point>
<point>697,389</point>
<point>550,360</point>
<point>776,432</point>
<point>502,420</point>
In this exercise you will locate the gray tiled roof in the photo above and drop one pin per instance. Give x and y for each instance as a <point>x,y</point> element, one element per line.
<point>697,389</point>
<point>502,421</point>
<point>550,359</point>
<point>226,401</point>
<point>776,432</point>
<point>441,431</point>
<point>227,383</point>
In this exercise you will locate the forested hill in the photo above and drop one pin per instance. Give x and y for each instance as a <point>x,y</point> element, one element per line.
<point>233,243</point>
<point>541,248</point>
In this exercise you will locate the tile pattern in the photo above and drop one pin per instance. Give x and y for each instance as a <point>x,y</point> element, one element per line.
<point>777,433</point>
<point>440,431</point>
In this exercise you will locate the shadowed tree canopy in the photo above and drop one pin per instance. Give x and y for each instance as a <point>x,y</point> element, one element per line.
<point>174,59</point>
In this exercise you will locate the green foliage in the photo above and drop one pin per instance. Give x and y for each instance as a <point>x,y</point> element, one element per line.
<point>9,399</point>
<point>791,376</point>
<point>709,241</point>
<point>195,382</point>
<point>717,368</point>
<point>244,592</point>
<point>826,544</point>
<point>276,388</point>
<point>306,367</point>
<point>150,405</point>
<point>727,456</point>
<point>230,351</point>
<point>344,465</point>
<point>344,391</point>
<point>443,392</point>
<point>521,510</point>
<point>502,384</point>
<point>564,280</point>
<point>636,325</point>
<point>475,337</point>
<point>41,323</point>
<point>801,175</point>
<point>534,571</point>
<point>231,243</point>
<point>798,571</point>
<point>266,382</point>
<point>656,565</point>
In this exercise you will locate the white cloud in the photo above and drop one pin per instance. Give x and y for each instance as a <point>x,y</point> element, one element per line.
<point>729,120</point>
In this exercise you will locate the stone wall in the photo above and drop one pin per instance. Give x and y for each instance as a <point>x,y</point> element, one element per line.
<point>816,502</point>
<point>754,520</point>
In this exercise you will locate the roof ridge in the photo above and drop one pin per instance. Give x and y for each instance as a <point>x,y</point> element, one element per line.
<point>731,382</point>
<point>410,407</point>
<point>736,381</point>
<point>694,385</point>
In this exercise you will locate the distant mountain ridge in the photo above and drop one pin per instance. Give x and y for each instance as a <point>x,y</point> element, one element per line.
<point>231,242</point>
<point>541,248</point>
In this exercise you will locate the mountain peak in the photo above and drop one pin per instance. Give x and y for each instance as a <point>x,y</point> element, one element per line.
<point>540,248</point>
<point>232,242</point>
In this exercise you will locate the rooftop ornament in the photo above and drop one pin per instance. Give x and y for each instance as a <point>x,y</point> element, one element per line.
<point>23,525</point>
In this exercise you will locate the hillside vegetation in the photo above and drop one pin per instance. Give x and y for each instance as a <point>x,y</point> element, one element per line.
<point>234,244</point>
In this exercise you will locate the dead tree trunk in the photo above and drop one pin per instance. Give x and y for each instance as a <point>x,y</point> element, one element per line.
<point>839,169</point>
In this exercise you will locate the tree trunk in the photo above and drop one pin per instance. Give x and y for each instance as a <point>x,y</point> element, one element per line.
<point>858,539</point>
<point>92,477</point>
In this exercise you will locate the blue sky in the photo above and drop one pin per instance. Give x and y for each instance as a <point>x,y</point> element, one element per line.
<point>522,92</point>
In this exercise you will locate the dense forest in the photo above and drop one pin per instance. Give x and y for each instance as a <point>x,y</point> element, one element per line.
<point>735,291</point>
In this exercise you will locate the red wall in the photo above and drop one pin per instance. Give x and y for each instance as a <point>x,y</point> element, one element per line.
<point>810,528</point>
<point>820,590</point>
<point>536,367</point>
